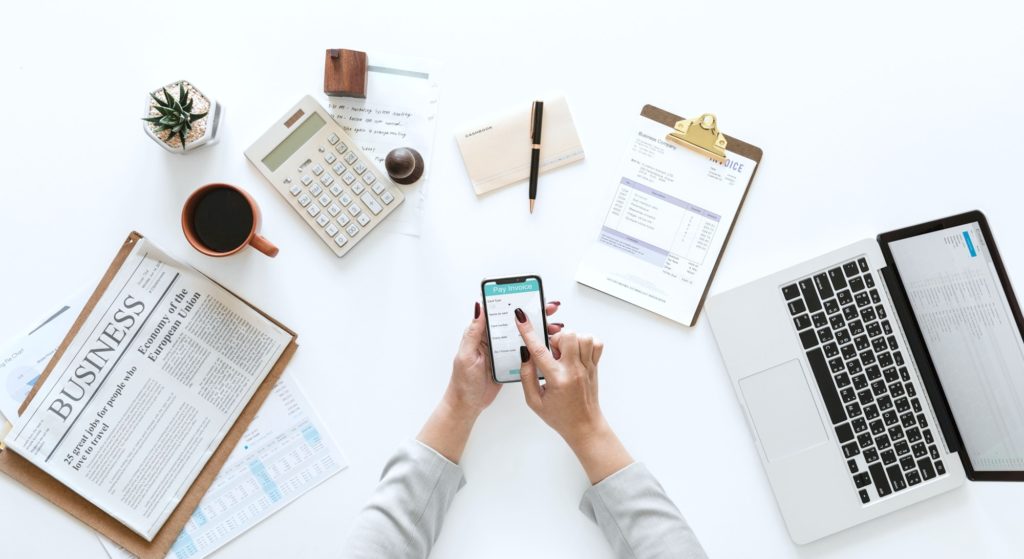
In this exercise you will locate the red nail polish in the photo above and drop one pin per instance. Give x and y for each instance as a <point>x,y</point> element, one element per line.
<point>559,324</point>
<point>520,316</point>
<point>555,303</point>
<point>476,311</point>
<point>524,354</point>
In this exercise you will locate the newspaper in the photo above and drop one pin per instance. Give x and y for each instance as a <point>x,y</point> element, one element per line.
<point>286,452</point>
<point>147,389</point>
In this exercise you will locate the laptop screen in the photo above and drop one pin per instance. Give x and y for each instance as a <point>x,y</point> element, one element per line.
<point>973,339</point>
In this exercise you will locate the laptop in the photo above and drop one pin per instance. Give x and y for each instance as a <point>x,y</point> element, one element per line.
<point>880,374</point>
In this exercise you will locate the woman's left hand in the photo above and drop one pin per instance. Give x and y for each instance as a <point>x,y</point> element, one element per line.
<point>471,388</point>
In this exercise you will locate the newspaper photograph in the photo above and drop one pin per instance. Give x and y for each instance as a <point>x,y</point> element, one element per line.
<point>146,391</point>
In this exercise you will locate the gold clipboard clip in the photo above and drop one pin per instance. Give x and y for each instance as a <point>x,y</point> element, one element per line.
<point>701,135</point>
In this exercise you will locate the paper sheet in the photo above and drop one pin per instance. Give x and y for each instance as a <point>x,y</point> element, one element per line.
<point>23,359</point>
<point>400,110</point>
<point>667,224</point>
<point>285,453</point>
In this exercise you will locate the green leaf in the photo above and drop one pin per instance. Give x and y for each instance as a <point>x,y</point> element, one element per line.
<point>164,111</point>
<point>197,116</point>
<point>182,136</point>
<point>159,103</point>
<point>170,134</point>
<point>153,118</point>
<point>188,106</point>
<point>181,92</point>
<point>167,97</point>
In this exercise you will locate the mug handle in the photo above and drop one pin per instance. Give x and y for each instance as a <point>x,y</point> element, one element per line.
<point>260,243</point>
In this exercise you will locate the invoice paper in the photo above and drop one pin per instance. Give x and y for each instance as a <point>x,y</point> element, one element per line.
<point>666,226</point>
<point>400,110</point>
<point>23,359</point>
<point>286,452</point>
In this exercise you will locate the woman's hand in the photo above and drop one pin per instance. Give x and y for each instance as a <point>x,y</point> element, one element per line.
<point>470,389</point>
<point>568,401</point>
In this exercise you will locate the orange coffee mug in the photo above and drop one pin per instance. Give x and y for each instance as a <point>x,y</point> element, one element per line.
<point>220,219</point>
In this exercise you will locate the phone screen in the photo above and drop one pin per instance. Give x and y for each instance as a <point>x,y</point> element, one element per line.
<point>501,298</point>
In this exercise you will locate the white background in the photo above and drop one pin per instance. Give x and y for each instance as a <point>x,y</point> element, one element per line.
<point>872,115</point>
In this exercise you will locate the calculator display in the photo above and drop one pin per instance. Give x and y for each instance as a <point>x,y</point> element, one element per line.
<point>294,141</point>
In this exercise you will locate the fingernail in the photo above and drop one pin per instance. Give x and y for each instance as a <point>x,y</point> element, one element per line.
<point>476,311</point>
<point>524,354</point>
<point>559,324</point>
<point>555,303</point>
<point>520,316</point>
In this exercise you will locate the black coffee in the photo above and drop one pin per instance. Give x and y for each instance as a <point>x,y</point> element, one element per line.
<point>222,220</point>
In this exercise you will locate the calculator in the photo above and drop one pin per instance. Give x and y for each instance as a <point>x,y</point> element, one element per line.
<point>324,176</point>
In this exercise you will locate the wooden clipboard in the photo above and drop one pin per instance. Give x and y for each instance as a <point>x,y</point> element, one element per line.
<point>59,494</point>
<point>736,146</point>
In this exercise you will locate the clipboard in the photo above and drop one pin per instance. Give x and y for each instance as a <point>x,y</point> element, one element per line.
<point>734,145</point>
<point>59,494</point>
<point>607,265</point>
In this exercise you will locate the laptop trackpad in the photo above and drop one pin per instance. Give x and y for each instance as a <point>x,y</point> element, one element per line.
<point>783,411</point>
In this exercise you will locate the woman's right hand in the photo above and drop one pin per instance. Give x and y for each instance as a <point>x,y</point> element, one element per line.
<point>568,401</point>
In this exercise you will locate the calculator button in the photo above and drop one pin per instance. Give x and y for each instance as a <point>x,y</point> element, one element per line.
<point>330,158</point>
<point>371,203</point>
<point>352,230</point>
<point>327,179</point>
<point>313,209</point>
<point>332,139</point>
<point>338,169</point>
<point>363,219</point>
<point>340,240</point>
<point>350,158</point>
<point>322,220</point>
<point>315,190</point>
<point>387,197</point>
<point>345,199</point>
<point>304,200</point>
<point>336,189</point>
<point>377,188</point>
<point>341,147</point>
<point>349,178</point>
<point>343,220</point>
<point>368,178</point>
<point>331,229</point>
<point>317,169</point>
<point>324,200</point>
<point>358,188</point>
<point>354,209</point>
<point>306,179</point>
<point>295,190</point>
<point>359,168</point>
<point>334,210</point>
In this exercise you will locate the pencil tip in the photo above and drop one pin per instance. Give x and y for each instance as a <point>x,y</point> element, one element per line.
<point>531,205</point>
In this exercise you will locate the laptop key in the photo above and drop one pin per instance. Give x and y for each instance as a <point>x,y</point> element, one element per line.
<point>837,277</point>
<point>933,452</point>
<point>939,468</point>
<point>870,455</point>
<point>913,434</point>
<point>856,285</point>
<point>865,440</point>
<point>875,297</point>
<point>862,480</point>
<point>921,419</point>
<point>902,448</point>
<point>863,263</point>
<point>907,463</point>
<point>850,269</point>
<point>844,297</point>
<point>851,449</point>
<point>877,427</point>
<point>928,438</point>
<point>865,397</point>
<point>869,280</point>
<point>825,335</point>
<point>842,380</point>
<point>864,497</point>
<point>801,322</point>
<point>907,420</point>
<point>808,338</point>
<point>797,307</point>
<point>927,470</point>
<point>852,464</point>
<point>850,313</point>
<point>853,409</point>
<point>831,350</point>
<point>880,479</point>
<point>913,478</point>
<point>844,432</point>
<point>819,320</point>
<point>871,412</point>
<point>824,286</point>
<point>859,425</point>
<point>862,299</point>
<point>843,336</point>
<point>810,295</point>
<point>836,365</point>
<point>826,388</point>
<point>896,478</point>
<point>874,373</point>
<point>890,417</point>
<point>920,450</point>
<point>886,327</point>
<point>831,306</point>
<point>888,457</point>
<point>837,321</point>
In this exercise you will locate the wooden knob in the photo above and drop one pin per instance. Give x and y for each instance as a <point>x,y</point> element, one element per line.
<point>404,165</point>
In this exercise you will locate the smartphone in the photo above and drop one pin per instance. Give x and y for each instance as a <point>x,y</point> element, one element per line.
<point>502,297</point>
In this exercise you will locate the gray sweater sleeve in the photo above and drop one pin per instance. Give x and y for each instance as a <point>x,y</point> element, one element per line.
<point>403,517</point>
<point>637,517</point>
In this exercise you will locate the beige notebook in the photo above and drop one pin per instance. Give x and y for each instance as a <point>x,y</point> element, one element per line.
<point>496,151</point>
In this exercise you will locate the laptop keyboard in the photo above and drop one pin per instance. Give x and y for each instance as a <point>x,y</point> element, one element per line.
<point>874,407</point>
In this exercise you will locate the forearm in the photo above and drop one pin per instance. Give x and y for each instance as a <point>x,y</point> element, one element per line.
<point>448,428</point>
<point>599,451</point>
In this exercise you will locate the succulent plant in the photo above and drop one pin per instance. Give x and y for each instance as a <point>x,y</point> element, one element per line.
<point>176,116</point>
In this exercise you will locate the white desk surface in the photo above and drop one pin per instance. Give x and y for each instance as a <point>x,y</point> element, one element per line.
<point>871,117</point>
